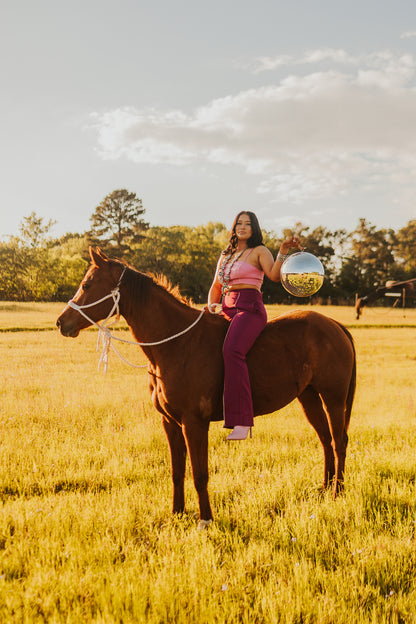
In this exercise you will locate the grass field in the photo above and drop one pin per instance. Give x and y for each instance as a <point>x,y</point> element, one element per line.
<point>42,316</point>
<point>86,533</point>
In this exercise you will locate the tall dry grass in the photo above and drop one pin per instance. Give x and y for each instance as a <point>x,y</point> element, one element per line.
<point>86,533</point>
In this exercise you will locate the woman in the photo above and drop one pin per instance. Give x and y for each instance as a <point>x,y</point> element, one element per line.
<point>237,282</point>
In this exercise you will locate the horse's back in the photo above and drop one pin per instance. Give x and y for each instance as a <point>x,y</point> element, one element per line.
<point>308,324</point>
<point>297,349</point>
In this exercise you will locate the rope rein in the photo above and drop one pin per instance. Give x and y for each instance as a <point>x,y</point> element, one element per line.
<point>104,332</point>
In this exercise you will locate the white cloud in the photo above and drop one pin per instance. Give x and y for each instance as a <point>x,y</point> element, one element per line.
<point>408,34</point>
<point>385,70</point>
<point>267,63</point>
<point>306,137</point>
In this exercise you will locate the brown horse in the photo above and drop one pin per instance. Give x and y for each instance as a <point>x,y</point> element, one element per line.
<point>302,355</point>
<point>406,290</point>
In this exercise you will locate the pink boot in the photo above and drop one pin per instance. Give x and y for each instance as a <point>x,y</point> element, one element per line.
<point>239,432</point>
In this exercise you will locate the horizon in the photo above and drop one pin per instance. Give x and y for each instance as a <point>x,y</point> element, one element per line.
<point>298,113</point>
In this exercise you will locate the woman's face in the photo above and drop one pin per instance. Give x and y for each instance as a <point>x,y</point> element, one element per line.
<point>243,227</point>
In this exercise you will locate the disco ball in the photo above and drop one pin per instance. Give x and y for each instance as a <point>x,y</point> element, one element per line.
<point>302,274</point>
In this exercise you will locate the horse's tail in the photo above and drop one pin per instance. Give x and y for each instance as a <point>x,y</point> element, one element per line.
<point>353,379</point>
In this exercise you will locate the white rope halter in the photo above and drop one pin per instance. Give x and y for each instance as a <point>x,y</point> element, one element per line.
<point>105,335</point>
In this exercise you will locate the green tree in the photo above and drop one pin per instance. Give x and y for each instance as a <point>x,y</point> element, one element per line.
<point>369,263</point>
<point>199,258</point>
<point>374,250</point>
<point>186,256</point>
<point>34,230</point>
<point>406,249</point>
<point>116,223</point>
<point>33,249</point>
<point>69,256</point>
<point>49,271</point>
<point>14,265</point>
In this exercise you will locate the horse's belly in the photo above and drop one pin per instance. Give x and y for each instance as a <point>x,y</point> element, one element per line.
<point>276,382</point>
<point>268,400</point>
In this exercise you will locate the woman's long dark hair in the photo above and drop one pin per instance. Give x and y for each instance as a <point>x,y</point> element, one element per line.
<point>255,239</point>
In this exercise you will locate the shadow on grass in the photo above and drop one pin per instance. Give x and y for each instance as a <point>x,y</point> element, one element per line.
<point>83,486</point>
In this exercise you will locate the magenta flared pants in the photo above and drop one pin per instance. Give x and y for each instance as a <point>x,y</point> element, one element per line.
<point>247,315</point>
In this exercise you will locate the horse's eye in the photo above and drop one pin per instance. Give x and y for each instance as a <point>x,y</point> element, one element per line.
<point>86,286</point>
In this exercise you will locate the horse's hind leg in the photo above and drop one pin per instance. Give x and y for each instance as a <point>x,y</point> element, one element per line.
<point>336,418</point>
<point>316,415</point>
<point>177,449</point>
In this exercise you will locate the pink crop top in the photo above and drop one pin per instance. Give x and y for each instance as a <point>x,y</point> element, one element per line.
<point>244,273</point>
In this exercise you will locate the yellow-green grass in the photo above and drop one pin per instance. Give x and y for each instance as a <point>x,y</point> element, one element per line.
<point>27,316</point>
<point>371,317</point>
<point>16,316</point>
<point>86,533</point>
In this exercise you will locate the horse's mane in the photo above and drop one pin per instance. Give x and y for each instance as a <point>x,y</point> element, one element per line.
<point>140,285</point>
<point>162,281</point>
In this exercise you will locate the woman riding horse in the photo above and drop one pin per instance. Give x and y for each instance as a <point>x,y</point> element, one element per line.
<point>238,279</point>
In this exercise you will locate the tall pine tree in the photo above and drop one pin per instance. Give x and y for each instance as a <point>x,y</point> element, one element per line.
<point>117,222</point>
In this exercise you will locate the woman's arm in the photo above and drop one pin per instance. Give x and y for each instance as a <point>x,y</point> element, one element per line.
<point>214,295</point>
<point>272,267</point>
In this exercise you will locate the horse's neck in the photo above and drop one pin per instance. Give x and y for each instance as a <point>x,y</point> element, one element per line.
<point>162,316</point>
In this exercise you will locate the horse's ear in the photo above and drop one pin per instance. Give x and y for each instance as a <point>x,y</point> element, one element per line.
<point>98,258</point>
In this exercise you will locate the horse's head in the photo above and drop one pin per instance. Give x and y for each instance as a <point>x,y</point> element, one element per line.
<point>101,278</point>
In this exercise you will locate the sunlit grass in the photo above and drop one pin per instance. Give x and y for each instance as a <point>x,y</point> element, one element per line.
<point>373,316</point>
<point>15,316</point>
<point>86,533</point>
<point>28,316</point>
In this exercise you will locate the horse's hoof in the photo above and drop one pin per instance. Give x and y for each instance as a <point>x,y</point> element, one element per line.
<point>338,489</point>
<point>204,524</point>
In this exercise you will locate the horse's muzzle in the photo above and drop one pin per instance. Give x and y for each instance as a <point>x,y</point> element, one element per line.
<point>67,328</point>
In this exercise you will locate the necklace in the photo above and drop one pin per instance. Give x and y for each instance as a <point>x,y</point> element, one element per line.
<point>225,270</point>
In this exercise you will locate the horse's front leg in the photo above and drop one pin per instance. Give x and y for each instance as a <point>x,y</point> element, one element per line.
<point>177,449</point>
<point>196,436</point>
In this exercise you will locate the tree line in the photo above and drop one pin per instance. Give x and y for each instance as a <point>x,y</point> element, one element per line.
<point>34,266</point>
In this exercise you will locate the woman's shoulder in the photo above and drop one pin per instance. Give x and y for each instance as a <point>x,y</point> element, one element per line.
<point>262,256</point>
<point>261,250</point>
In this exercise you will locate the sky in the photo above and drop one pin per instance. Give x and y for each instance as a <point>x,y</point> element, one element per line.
<point>301,111</point>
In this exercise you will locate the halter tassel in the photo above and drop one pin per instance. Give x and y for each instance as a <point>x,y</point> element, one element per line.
<point>104,337</point>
